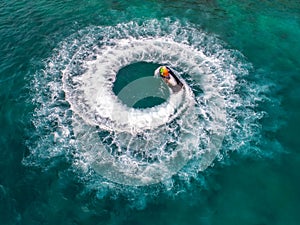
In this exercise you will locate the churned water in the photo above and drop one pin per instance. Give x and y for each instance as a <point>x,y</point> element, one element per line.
<point>91,136</point>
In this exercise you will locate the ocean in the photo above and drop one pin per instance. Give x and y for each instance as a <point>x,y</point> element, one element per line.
<point>89,135</point>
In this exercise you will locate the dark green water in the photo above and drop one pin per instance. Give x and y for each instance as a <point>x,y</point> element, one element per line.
<point>254,180</point>
<point>133,72</point>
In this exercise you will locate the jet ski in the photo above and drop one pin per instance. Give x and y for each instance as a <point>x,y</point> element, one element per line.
<point>169,78</point>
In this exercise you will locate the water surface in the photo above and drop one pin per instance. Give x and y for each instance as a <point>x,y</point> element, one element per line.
<point>47,163</point>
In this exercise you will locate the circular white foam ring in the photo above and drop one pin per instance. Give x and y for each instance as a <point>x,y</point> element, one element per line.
<point>133,146</point>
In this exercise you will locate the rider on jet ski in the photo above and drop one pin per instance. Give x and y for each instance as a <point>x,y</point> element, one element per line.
<point>170,78</point>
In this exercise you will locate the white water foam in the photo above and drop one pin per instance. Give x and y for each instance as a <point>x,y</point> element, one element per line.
<point>97,132</point>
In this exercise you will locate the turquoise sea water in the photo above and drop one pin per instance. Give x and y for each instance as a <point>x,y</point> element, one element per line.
<point>238,128</point>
